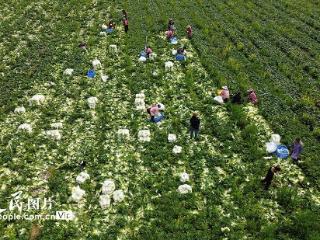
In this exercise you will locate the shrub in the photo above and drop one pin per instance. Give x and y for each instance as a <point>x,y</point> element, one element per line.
<point>316,133</point>
<point>57,186</point>
<point>238,115</point>
<point>304,225</point>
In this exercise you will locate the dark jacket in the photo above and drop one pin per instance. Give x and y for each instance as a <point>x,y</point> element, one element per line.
<point>195,123</point>
<point>237,98</point>
<point>269,176</point>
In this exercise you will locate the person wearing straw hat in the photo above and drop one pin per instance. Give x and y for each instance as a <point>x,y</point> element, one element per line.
<point>225,94</point>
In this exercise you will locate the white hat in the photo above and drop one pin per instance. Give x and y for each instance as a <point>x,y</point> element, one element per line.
<point>225,87</point>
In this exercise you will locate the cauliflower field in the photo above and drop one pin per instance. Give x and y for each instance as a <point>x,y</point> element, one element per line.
<point>86,146</point>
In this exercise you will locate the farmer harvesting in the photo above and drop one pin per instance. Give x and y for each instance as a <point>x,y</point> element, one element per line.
<point>225,94</point>
<point>169,34</point>
<point>268,179</point>
<point>111,27</point>
<point>83,46</point>
<point>171,25</point>
<point>189,31</point>
<point>125,21</point>
<point>237,99</point>
<point>194,125</point>
<point>181,54</point>
<point>252,97</point>
<point>148,51</point>
<point>124,13</point>
<point>155,112</point>
<point>125,24</point>
<point>181,50</point>
<point>82,165</point>
<point>297,148</point>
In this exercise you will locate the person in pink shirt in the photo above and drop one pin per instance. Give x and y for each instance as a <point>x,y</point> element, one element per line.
<point>148,51</point>
<point>252,97</point>
<point>125,24</point>
<point>153,111</point>
<point>225,94</point>
<point>169,34</point>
